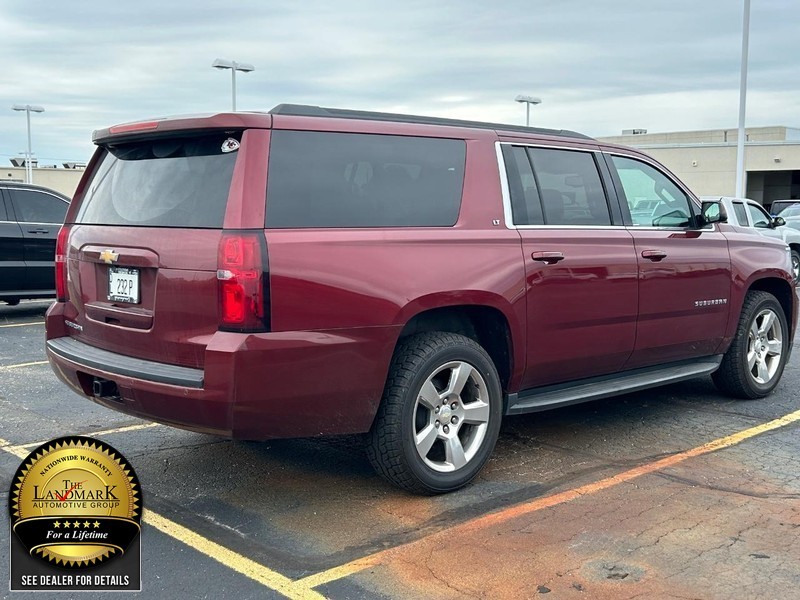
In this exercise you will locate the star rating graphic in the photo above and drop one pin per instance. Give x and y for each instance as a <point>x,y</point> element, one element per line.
<point>75,524</point>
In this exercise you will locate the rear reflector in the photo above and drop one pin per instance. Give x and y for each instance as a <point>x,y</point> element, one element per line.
<point>243,282</point>
<point>62,241</point>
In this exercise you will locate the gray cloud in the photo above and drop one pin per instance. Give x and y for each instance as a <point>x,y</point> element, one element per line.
<point>599,66</point>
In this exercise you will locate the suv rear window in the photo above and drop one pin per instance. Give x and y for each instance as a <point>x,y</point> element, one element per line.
<point>172,182</point>
<point>319,179</point>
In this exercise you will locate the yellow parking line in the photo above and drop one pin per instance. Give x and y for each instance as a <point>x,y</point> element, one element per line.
<point>549,501</point>
<point>22,324</point>
<point>303,589</point>
<point>241,564</point>
<point>233,560</point>
<point>19,366</point>
<point>24,448</point>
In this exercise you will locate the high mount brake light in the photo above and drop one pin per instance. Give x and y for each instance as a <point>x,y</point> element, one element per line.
<point>242,282</point>
<point>130,127</point>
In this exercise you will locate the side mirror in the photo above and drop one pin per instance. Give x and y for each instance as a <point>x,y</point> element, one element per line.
<point>712,212</point>
<point>778,222</point>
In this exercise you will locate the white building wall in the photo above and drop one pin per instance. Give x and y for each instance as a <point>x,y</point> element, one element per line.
<point>61,180</point>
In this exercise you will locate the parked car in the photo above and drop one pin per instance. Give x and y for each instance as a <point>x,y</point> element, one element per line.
<point>791,216</point>
<point>30,217</point>
<point>778,206</point>
<point>318,271</point>
<point>749,213</point>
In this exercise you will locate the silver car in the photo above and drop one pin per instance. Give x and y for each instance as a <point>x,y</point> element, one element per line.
<point>749,213</point>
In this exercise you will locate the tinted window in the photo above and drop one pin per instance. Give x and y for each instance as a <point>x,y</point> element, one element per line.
<point>758,216</point>
<point>741,213</point>
<point>652,197</point>
<point>38,207</point>
<point>525,206</point>
<point>570,187</point>
<point>3,213</point>
<point>354,180</point>
<point>162,183</point>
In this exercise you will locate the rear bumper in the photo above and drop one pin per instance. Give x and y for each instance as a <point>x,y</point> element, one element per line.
<point>252,386</point>
<point>118,364</point>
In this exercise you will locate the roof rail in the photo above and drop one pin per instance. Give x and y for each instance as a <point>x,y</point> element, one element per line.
<point>304,110</point>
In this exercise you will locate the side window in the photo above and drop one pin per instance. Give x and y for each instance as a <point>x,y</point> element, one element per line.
<point>653,198</point>
<point>325,179</point>
<point>38,207</point>
<point>570,187</point>
<point>758,216</point>
<point>741,214</point>
<point>525,206</point>
<point>3,213</point>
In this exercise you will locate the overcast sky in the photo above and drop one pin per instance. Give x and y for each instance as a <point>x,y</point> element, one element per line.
<point>599,66</point>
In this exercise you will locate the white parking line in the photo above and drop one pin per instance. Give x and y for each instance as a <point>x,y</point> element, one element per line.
<point>22,450</point>
<point>22,324</point>
<point>20,365</point>
<point>225,556</point>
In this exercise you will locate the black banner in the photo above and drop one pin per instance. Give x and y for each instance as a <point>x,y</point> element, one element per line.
<point>41,532</point>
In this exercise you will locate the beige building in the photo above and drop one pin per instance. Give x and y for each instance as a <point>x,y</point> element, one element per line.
<point>63,180</point>
<point>706,160</point>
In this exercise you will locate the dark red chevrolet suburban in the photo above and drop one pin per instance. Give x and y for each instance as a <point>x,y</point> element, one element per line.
<point>315,271</point>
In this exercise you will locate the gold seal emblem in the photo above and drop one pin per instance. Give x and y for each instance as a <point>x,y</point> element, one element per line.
<point>75,501</point>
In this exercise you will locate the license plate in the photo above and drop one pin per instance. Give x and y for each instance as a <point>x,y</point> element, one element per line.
<point>123,285</point>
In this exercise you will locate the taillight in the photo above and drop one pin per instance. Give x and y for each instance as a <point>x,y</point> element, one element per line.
<point>243,282</point>
<point>62,293</point>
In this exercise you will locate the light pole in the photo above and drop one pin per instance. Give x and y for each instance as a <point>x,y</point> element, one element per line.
<point>28,108</point>
<point>234,66</point>
<point>528,100</point>
<point>740,138</point>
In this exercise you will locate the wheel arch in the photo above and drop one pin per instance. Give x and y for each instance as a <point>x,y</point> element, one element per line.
<point>487,325</point>
<point>784,293</point>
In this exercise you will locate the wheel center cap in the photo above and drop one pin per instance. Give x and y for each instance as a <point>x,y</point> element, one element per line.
<point>445,413</point>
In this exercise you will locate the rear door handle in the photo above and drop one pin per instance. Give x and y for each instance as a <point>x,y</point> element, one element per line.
<point>654,255</point>
<point>38,231</point>
<point>549,258</point>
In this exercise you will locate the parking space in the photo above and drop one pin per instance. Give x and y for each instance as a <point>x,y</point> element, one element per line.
<point>615,499</point>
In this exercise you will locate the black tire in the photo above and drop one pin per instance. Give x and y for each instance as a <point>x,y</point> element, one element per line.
<point>425,359</point>
<point>734,376</point>
<point>796,266</point>
<point>12,301</point>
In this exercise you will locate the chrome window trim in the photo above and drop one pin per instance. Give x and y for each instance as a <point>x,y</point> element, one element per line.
<point>501,165</point>
<point>579,227</point>
<point>507,194</point>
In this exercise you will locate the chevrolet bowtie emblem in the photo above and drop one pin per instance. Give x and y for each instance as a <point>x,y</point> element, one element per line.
<point>109,256</point>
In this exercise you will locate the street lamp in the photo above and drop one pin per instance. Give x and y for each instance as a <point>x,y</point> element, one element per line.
<point>740,139</point>
<point>234,66</point>
<point>28,108</point>
<point>528,100</point>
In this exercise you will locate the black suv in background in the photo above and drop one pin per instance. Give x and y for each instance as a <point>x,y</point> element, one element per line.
<point>30,217</point>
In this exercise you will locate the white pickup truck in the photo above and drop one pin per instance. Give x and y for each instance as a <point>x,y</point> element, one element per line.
<point>749,213</point>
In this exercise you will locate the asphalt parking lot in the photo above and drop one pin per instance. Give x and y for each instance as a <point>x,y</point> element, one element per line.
<point>673,493</point>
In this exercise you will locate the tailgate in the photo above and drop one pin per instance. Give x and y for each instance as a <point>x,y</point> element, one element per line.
<point>142,252</point>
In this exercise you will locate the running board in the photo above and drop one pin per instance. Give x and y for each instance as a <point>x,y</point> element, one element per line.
<point>595,388</point>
